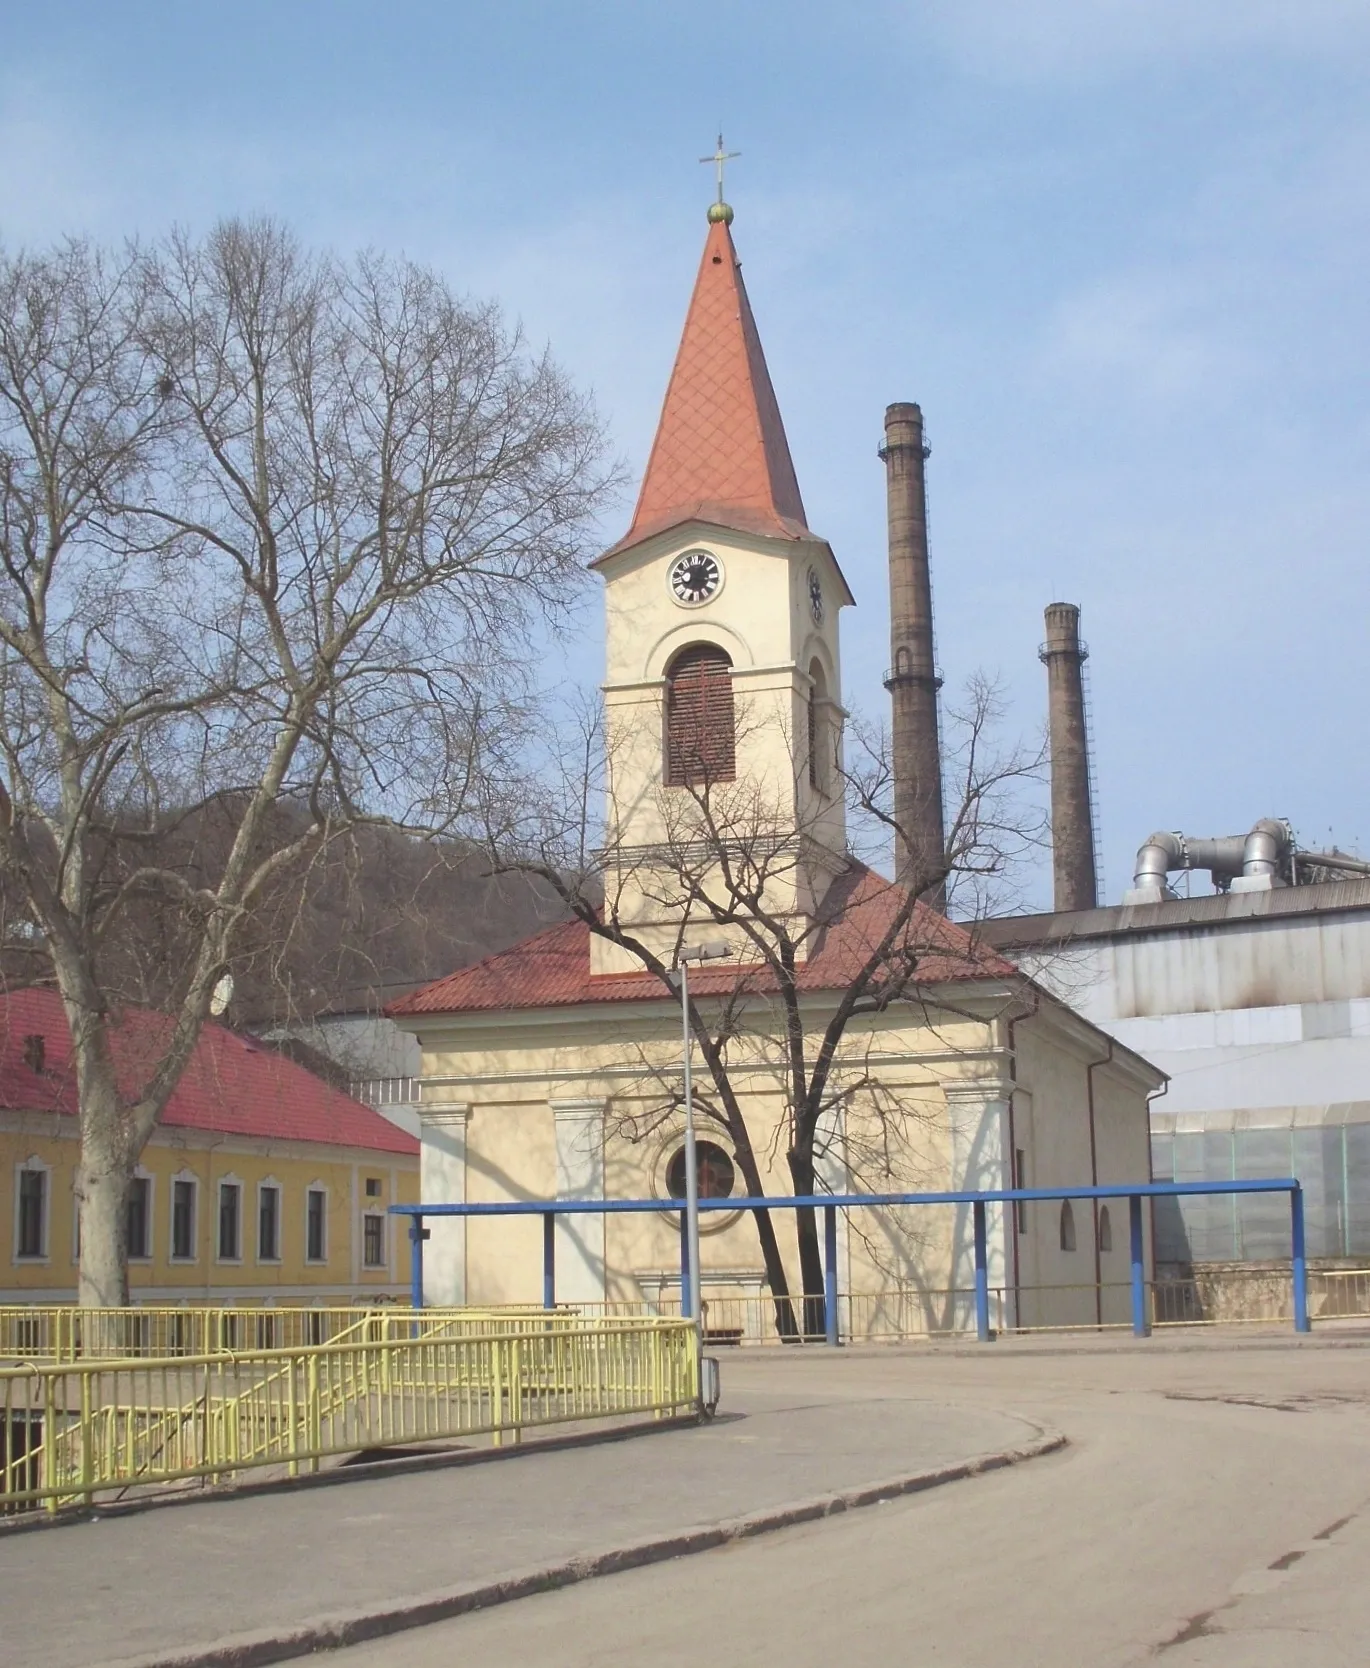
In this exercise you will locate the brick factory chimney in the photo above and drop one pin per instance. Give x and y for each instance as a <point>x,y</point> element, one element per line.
<point>1072,816</point>
<point>913,682</point>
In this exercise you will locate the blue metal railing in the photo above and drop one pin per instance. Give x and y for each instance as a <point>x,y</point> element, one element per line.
<point>831,1203</point>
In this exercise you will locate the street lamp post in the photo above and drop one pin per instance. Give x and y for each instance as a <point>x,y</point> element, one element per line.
<point>714,950</point>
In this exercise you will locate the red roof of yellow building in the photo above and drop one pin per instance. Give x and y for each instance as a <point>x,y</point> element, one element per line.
<point>232,1085</point>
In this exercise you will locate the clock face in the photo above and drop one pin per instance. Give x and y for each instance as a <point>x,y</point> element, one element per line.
<point>695,577</point>
<point>815,597</point>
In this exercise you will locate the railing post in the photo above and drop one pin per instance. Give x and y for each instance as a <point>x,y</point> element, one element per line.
<point>50,1438</point>
<point>981,1272</point>
<point>1301,1320</point>
<point>497,1392</point>
<point>1141,1326</point>
<point>293,1415</point>
<point>830,1272</point>
<point>314,1410</point>
<point>549,1259</point>
<point>685,1266</point>
<point>417,1235</point>
<point>87,1441</point>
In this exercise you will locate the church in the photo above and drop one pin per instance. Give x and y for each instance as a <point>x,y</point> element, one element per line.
<point>847,1036</point>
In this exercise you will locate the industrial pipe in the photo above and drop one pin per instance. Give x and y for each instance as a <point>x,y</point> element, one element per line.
<point>1255,858</point>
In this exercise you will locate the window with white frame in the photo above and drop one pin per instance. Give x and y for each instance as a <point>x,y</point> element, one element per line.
<point>373,1241</point>
<point>269,1222</point>
<point>230,1221</point>
<point>31,1186</point>
<point>184,1191</point>
<point>316,1225</point>
<point>138,1218</point>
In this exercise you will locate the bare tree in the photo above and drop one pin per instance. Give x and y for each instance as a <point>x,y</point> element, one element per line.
<point>275,530</point>
<point>739,856</point>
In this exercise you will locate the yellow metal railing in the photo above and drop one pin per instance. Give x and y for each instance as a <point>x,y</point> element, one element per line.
<point>56,1333</point>
<point>75,1431</point>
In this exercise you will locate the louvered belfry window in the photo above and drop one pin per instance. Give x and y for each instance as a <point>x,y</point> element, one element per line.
<point>701,743</point>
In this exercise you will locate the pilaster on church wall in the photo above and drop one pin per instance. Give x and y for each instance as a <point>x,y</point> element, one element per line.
<point>579,1248</point>
<point>978,1111</point>
<point>442,1181</point>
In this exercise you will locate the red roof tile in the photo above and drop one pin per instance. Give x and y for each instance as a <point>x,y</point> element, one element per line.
<point>553,968</point>
<point>720,453</point>
<point>232,1086</point>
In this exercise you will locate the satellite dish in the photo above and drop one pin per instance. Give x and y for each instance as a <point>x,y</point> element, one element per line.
<point>222,996</point>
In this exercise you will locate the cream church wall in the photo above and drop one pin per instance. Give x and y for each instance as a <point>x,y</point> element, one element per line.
<point>565,1104</point>
<point>1052,1126</point>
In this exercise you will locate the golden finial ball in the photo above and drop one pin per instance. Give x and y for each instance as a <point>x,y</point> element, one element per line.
<point>720,211</point>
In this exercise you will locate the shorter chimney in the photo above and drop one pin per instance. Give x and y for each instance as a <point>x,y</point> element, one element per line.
<point>1072,816</point>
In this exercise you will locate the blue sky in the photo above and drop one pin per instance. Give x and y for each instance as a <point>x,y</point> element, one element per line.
<point>1117,249</point>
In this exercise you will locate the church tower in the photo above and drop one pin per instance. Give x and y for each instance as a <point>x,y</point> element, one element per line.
<point>723,675</point>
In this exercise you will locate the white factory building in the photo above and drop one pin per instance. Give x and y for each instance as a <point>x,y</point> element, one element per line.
<point>1255,1002</point>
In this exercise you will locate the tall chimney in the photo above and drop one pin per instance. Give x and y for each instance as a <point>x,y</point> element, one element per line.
<point>913,682</point>
<point>1072,816</point>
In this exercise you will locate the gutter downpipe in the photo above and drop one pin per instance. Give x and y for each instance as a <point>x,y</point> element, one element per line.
<point>1156,1094</point>
<point>1094,1179</point>
<point>1014,1177</point>
<point>1017,1180</point>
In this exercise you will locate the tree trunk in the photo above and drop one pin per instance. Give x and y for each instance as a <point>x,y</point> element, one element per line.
<point>771,1258</point>
<point>102,1185</point>
<point>101,1199</point>
<point>810,1255</point>
<point>785,1323</point>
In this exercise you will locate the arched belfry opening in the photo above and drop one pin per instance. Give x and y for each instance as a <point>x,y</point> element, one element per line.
<point>820,745</point>
<point>701,728</point>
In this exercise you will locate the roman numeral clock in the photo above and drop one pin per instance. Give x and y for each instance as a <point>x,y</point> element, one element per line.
<point>695,577</point>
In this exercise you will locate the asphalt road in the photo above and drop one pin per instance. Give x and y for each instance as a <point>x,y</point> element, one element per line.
<point>1211,1510</point>
<point>227,1574</point>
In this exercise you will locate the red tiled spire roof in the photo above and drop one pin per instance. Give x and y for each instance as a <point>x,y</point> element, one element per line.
<point>720,453</point>
<point>552,969</point>
<point>233,1085</point>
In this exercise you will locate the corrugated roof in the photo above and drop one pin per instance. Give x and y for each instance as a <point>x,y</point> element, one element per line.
<point>1216,909</point>
<point>720,453</point>
<point>233,1085</point>
<point>552,969</point>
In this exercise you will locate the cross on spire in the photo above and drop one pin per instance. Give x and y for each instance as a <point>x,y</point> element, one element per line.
<point>720,159</point>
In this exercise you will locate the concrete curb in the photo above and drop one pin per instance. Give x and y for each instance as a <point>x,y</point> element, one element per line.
<point>325,1633</point>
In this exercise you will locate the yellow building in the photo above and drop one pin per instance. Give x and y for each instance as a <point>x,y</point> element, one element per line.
<point>261,1184</point>
<point>553,1070</point>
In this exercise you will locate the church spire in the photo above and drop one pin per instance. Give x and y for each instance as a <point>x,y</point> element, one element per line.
<point>720,453</point>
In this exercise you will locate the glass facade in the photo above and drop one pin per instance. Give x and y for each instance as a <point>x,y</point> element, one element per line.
<point>1332,1161</point>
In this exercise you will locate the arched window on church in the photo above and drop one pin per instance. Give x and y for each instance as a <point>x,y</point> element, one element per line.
<point>818,726</point>
<point>1105,1230</point>
<point>1067,1226</point>
<point>701,740</point>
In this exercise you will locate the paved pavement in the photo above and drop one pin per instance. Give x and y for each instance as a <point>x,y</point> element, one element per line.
<point>232,1574</point>
<point>1212,1510</point>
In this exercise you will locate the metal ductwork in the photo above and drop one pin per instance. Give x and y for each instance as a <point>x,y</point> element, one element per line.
<point>1252,862</point>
